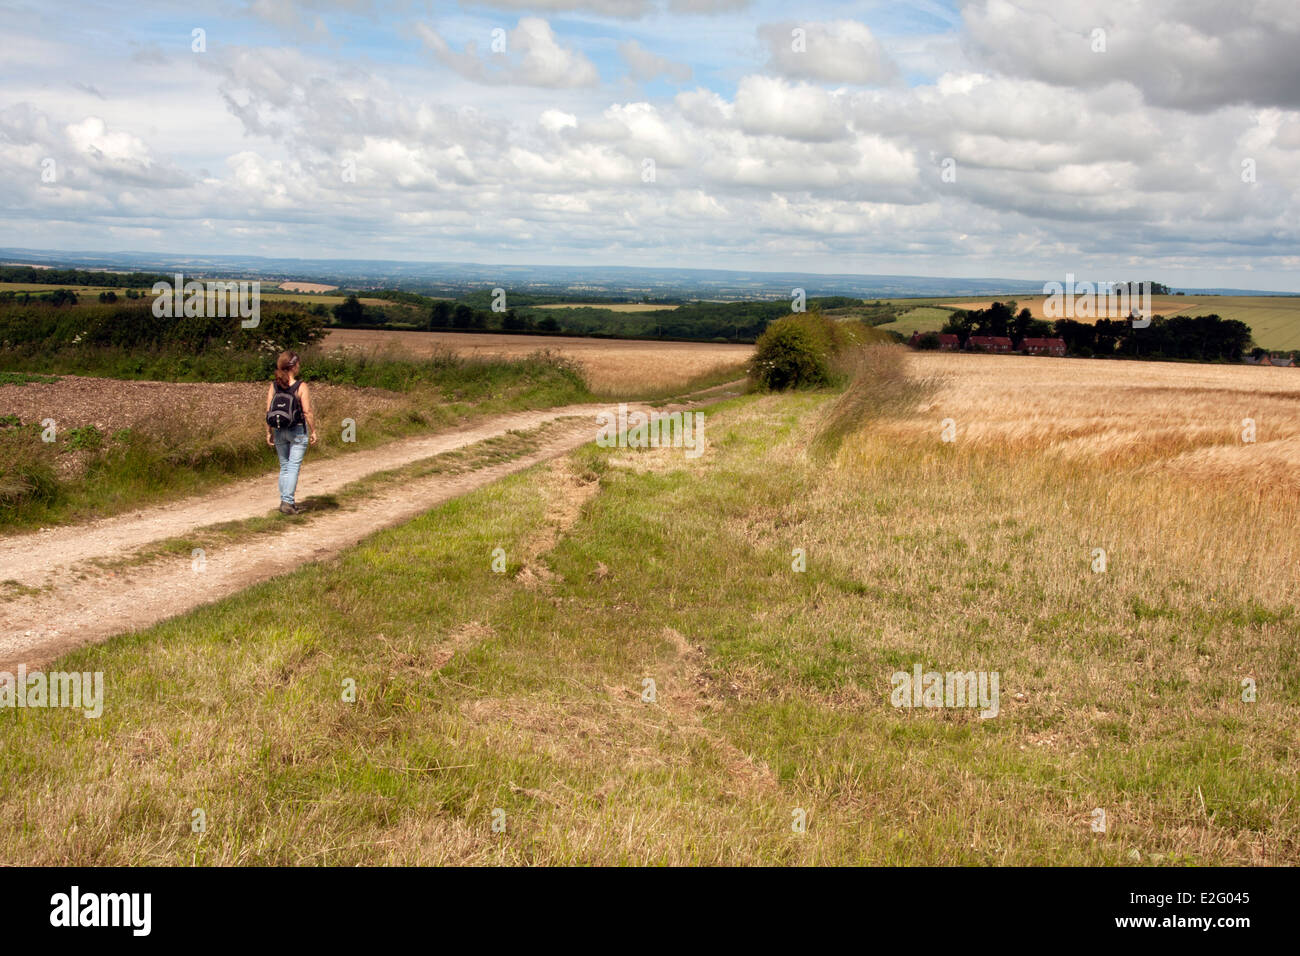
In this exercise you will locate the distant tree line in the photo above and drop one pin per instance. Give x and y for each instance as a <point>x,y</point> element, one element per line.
<point>117,280</point>
<point>1203,338</point>
<point>62,296</point>
<point>697,321</point>
<point>44,327</point>
<point>57,297</point>
<point>1135,288</point>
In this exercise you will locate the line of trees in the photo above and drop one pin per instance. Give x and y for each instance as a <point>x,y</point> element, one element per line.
<point>117,280</point>
<point>1001,318</point>
<point>57,297</point>
<point>697,321</point>
<point>42,327</point>
<point>1204,338</point>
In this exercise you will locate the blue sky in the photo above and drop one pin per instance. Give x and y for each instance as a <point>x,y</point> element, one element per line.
<point>992,137</point>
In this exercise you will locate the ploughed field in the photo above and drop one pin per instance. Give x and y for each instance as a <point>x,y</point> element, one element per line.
<point>609,365</point>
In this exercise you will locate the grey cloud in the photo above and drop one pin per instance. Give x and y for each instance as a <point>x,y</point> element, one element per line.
<point>533,56</point>
<point>1191,56</point>
<point>840,51</point>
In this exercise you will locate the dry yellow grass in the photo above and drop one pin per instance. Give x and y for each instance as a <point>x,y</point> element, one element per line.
<point>610,366</point>
<point>1145,460</point>
<point>306,287</point>
<point>1183,418</point>
<point>1127,683</point>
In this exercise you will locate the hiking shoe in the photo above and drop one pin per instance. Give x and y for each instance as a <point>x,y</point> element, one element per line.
<point>288,509</point>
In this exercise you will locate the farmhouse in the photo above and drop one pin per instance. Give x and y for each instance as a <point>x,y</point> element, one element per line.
<point>1282,361</point>
<point>989,343</point>
<point>947,342</point>
<point>1031,346</point>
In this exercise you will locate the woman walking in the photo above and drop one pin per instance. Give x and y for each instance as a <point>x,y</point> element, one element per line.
<point>290,421</point>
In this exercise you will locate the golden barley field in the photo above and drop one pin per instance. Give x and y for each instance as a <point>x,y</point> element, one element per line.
<point>1187,419</point>
<point>1201,462</point>
<point>610,366</point>
<point>1187,475</point>
<point>306,287</point>
<point>1103,533</point>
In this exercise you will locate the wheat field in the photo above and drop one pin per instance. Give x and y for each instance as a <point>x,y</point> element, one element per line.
<point>611,367</point>
<point>1181,418</point>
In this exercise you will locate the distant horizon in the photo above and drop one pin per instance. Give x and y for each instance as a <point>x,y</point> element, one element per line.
<point>68,258</point>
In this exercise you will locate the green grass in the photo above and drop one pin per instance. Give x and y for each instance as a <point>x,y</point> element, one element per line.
<point>521,691</point>
<point>1274,321</point>
<point>923,319</point>
<point>24,378</point>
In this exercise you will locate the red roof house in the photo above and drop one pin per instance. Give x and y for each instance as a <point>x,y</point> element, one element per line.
<point>947,342</point>
<point>989,343</point>
<point>1043,346</point>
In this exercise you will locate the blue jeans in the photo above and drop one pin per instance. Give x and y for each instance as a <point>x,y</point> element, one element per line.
<point>290,445</point>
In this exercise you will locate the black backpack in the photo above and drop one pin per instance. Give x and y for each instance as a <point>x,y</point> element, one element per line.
<point>283,412</point>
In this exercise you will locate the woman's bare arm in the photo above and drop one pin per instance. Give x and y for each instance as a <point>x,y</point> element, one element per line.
<point>270,393</point>
<point>308,413</point>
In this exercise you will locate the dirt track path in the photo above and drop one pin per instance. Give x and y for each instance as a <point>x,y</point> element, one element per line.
<point>25,554</point>
<point>79,604</point>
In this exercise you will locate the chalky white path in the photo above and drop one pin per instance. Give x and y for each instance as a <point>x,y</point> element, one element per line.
<point>81,605</point>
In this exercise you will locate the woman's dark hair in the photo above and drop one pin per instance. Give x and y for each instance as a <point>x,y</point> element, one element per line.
<point>284,366</point>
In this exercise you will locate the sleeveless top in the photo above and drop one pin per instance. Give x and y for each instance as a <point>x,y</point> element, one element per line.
<point>297,402</point>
